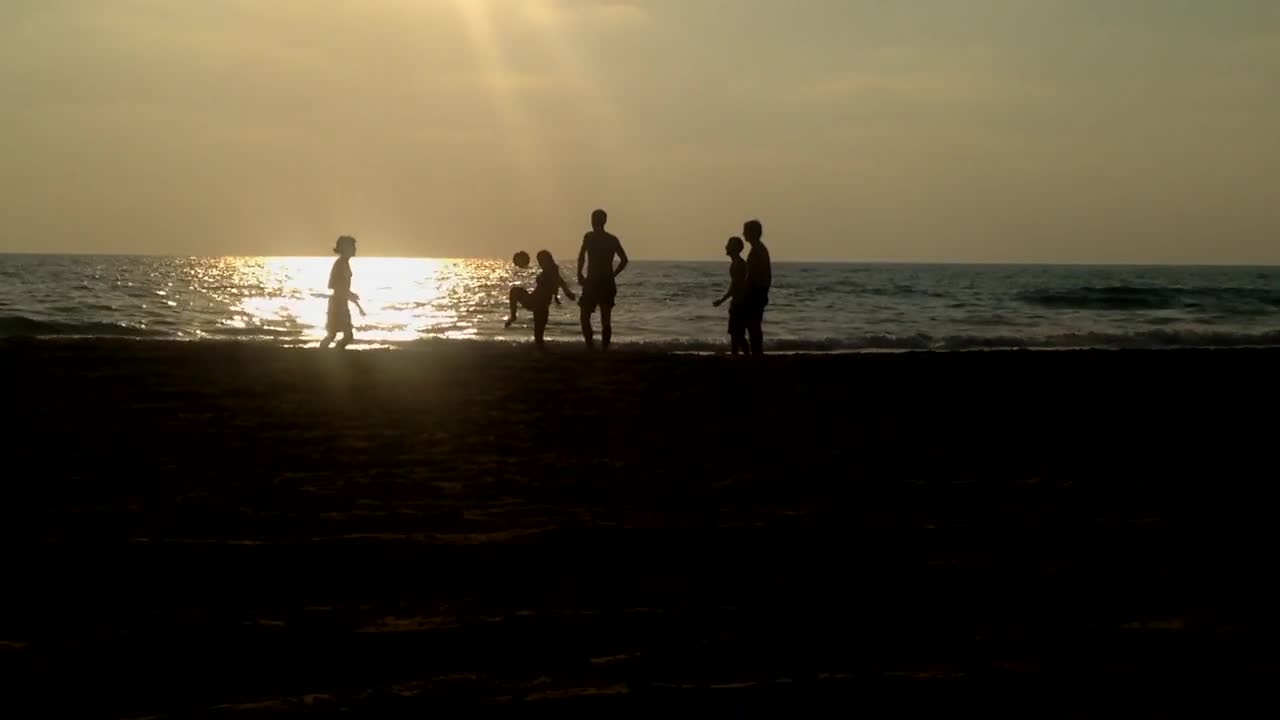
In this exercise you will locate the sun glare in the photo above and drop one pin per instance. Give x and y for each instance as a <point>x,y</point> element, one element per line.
<point>596,98</point>
<point>404,298</point>
<point>523,144</point>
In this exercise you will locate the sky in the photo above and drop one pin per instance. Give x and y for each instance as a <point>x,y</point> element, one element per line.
<point>930,130</point>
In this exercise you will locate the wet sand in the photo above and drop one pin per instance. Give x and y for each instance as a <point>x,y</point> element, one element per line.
<point>251,531</point>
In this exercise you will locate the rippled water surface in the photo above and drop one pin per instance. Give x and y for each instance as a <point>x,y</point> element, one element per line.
<point>662,305</point>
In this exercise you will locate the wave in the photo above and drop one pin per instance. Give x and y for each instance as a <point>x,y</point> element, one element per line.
<point>1149,339</point>
<point>1153,339</point>
<point>253,332</point>
<point>1236,300</point>
<point>853,287</point>
<point>21,326</point>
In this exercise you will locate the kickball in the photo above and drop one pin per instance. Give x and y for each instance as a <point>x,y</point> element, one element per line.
<point>521,259</point>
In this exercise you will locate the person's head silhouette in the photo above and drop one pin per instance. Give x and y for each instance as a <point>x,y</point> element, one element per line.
<point>546,262</point>
<point>752,230</point>
<point>733,248</point>
<point>346,246</point>
<point>598,219</point>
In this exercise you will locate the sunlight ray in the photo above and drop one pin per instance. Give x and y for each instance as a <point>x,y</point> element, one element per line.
<point>598,99</point>
<point>521,137</point>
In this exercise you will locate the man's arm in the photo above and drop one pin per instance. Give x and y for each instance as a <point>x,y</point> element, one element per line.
<point>568,293</point>
<point>582,258</point>
<point>622,258</point>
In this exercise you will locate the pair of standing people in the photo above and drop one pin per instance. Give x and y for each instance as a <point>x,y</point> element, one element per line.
<point>597,276</point>
<point>748,294</point>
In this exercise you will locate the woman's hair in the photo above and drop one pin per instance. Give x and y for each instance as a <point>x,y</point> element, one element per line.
<point>344,241</point>
<point>545,260</point>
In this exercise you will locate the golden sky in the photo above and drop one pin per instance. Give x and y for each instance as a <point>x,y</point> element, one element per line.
<point>930,130</point>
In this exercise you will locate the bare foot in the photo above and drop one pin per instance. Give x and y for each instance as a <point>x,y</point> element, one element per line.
<point>510,320</point>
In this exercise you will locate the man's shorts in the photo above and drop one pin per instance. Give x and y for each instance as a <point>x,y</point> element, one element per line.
<point>598,293</point>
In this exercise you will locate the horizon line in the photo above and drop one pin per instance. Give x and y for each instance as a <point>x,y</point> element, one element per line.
<point>789,261</point>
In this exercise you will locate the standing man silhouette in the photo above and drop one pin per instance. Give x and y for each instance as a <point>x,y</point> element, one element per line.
<point>759,280</point>
<point>599,284</point>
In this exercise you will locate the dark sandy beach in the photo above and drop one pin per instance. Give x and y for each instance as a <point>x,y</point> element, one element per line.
<point>239,530</point>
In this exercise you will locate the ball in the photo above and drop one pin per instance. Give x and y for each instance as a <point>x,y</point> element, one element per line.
<point>521,259</point>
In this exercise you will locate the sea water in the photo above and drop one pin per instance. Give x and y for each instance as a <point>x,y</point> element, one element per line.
<point>661,305</point>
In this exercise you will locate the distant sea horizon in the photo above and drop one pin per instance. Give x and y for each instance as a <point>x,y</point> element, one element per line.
<point>710,259</point>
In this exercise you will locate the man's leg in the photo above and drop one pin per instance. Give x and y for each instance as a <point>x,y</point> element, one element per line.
<point>757,338</point>
<point>756,330</point>
<point>606,325</point>
<point>587,333</point>
<point>737,331</point>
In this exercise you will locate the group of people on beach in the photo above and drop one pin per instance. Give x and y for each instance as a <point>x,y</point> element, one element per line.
<point>748,293</point>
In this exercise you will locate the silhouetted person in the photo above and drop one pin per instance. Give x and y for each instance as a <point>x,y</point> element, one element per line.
<point>759,279</point>
<point>737,296</point>
<point>599,284</point>
<point>339,320</point>
<point>548,287</point>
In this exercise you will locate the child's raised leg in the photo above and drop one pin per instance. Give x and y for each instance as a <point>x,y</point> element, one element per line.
<point>519,296</point>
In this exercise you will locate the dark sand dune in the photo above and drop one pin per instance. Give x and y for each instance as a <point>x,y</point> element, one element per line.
<point>246,531</point>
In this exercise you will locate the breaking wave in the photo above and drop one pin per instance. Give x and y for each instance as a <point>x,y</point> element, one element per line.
<point>21,326</point>
<point>1144,340</point>
<point>1230,300</point>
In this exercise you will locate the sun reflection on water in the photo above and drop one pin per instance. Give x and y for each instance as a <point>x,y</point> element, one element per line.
<point>405,298</point>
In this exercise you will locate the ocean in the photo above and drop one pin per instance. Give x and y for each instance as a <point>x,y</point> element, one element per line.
<point>662,306</point>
